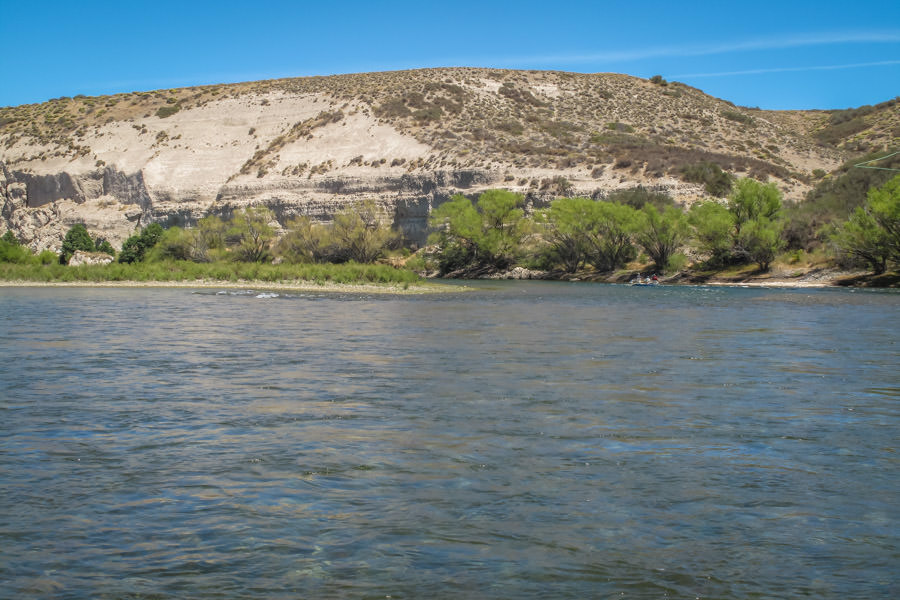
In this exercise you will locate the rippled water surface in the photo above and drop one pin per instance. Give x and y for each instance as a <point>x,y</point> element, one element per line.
<point>526,440</point>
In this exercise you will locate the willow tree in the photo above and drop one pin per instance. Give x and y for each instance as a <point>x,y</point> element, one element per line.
<point>488,233</point>
<point>661,234</point>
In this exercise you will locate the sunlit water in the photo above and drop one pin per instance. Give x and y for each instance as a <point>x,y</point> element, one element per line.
<point>527,440</point>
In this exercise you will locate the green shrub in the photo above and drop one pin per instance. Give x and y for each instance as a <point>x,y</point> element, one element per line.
<point>715,181</point>
<point>739,117</point>
<point>77,238</point>
<point>168,110</point>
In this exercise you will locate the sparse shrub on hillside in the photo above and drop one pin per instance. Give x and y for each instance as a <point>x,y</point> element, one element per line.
<point>638,197</point>
<point>168,110</point>
<point>557,185</point>
<point>715,181</point>
<point>739,117</point>
<point>844,123</point>
<point>425,115</point>
<point>509,90</point>
<point>510,126</point>
<point>620,127</point>
<point>834,200</point>
<point>658,80</point>
<point>394,107</point>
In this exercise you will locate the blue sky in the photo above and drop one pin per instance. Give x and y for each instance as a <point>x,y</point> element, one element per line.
<point>775,55</point>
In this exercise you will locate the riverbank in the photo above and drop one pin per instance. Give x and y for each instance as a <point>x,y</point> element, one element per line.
<point>424,287</point>
<point>746,276</point>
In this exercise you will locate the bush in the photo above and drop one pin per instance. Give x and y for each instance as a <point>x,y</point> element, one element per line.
<point>77,238</point>
<point>136,247</point>
<point>168,110</point>
<point>715,181</point>
<point>12,252</point>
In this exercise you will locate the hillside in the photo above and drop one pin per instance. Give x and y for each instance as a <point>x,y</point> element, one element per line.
<point>408,139</point>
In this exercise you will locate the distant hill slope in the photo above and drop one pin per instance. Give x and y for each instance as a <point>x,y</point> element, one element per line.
<point>408,139</point>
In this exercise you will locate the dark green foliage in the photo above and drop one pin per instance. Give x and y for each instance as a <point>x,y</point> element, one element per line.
<point>9,238</point>
<point>136,247</point>
<point>77,238</point>
<point>102,245</point>
<point>715,181</point>
<point>658,80</point>
<point>168,110</point>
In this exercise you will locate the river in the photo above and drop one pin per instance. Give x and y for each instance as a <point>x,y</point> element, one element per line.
<point>524,440</point>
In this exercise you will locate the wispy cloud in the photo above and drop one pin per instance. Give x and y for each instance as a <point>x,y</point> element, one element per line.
<point>881,63</point>
<point>769,43</point>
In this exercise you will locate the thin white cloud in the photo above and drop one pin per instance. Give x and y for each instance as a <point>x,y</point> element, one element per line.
<point>770,43</point>
<point>881,63</point>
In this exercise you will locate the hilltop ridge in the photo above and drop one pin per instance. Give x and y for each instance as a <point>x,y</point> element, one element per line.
<point>408,139</point>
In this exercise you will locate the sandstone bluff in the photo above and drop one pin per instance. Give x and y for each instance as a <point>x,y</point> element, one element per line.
<point>409,140</point>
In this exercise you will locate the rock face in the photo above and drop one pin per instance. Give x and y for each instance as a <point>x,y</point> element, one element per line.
<point>89,258</point>
<point>408,140</point>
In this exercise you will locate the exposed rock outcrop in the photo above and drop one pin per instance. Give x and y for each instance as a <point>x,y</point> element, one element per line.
<point>89,258</point>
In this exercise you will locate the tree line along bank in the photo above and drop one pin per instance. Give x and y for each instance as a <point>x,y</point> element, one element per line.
<point>750,225</point>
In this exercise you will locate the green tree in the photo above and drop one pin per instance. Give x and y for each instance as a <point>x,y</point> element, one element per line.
<point>569,226</point>
<point>174,244</point>
<point>488,234</point>
<point>661,234</point>
<point>458,225</point>
<point>756,209</point>
<point>714,231</point>
<point>304,242</point>
<point>102,245</point>
<point>359,234</point>
<point>862,238</point>
<point>208,239</point>
<point>760,241</point>
<point>612,245</point>
<point>884,205</point>
<point>751,200</point>
<point>872,234</point>
<point>252,235</point>
<point>135,247</point>
<point>77,238</point>
<point>503,226</point>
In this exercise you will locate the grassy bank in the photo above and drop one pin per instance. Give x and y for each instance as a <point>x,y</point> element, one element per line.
<point>224,272</point>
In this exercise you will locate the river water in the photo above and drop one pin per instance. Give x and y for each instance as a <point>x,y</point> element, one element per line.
<point>525,440</point>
